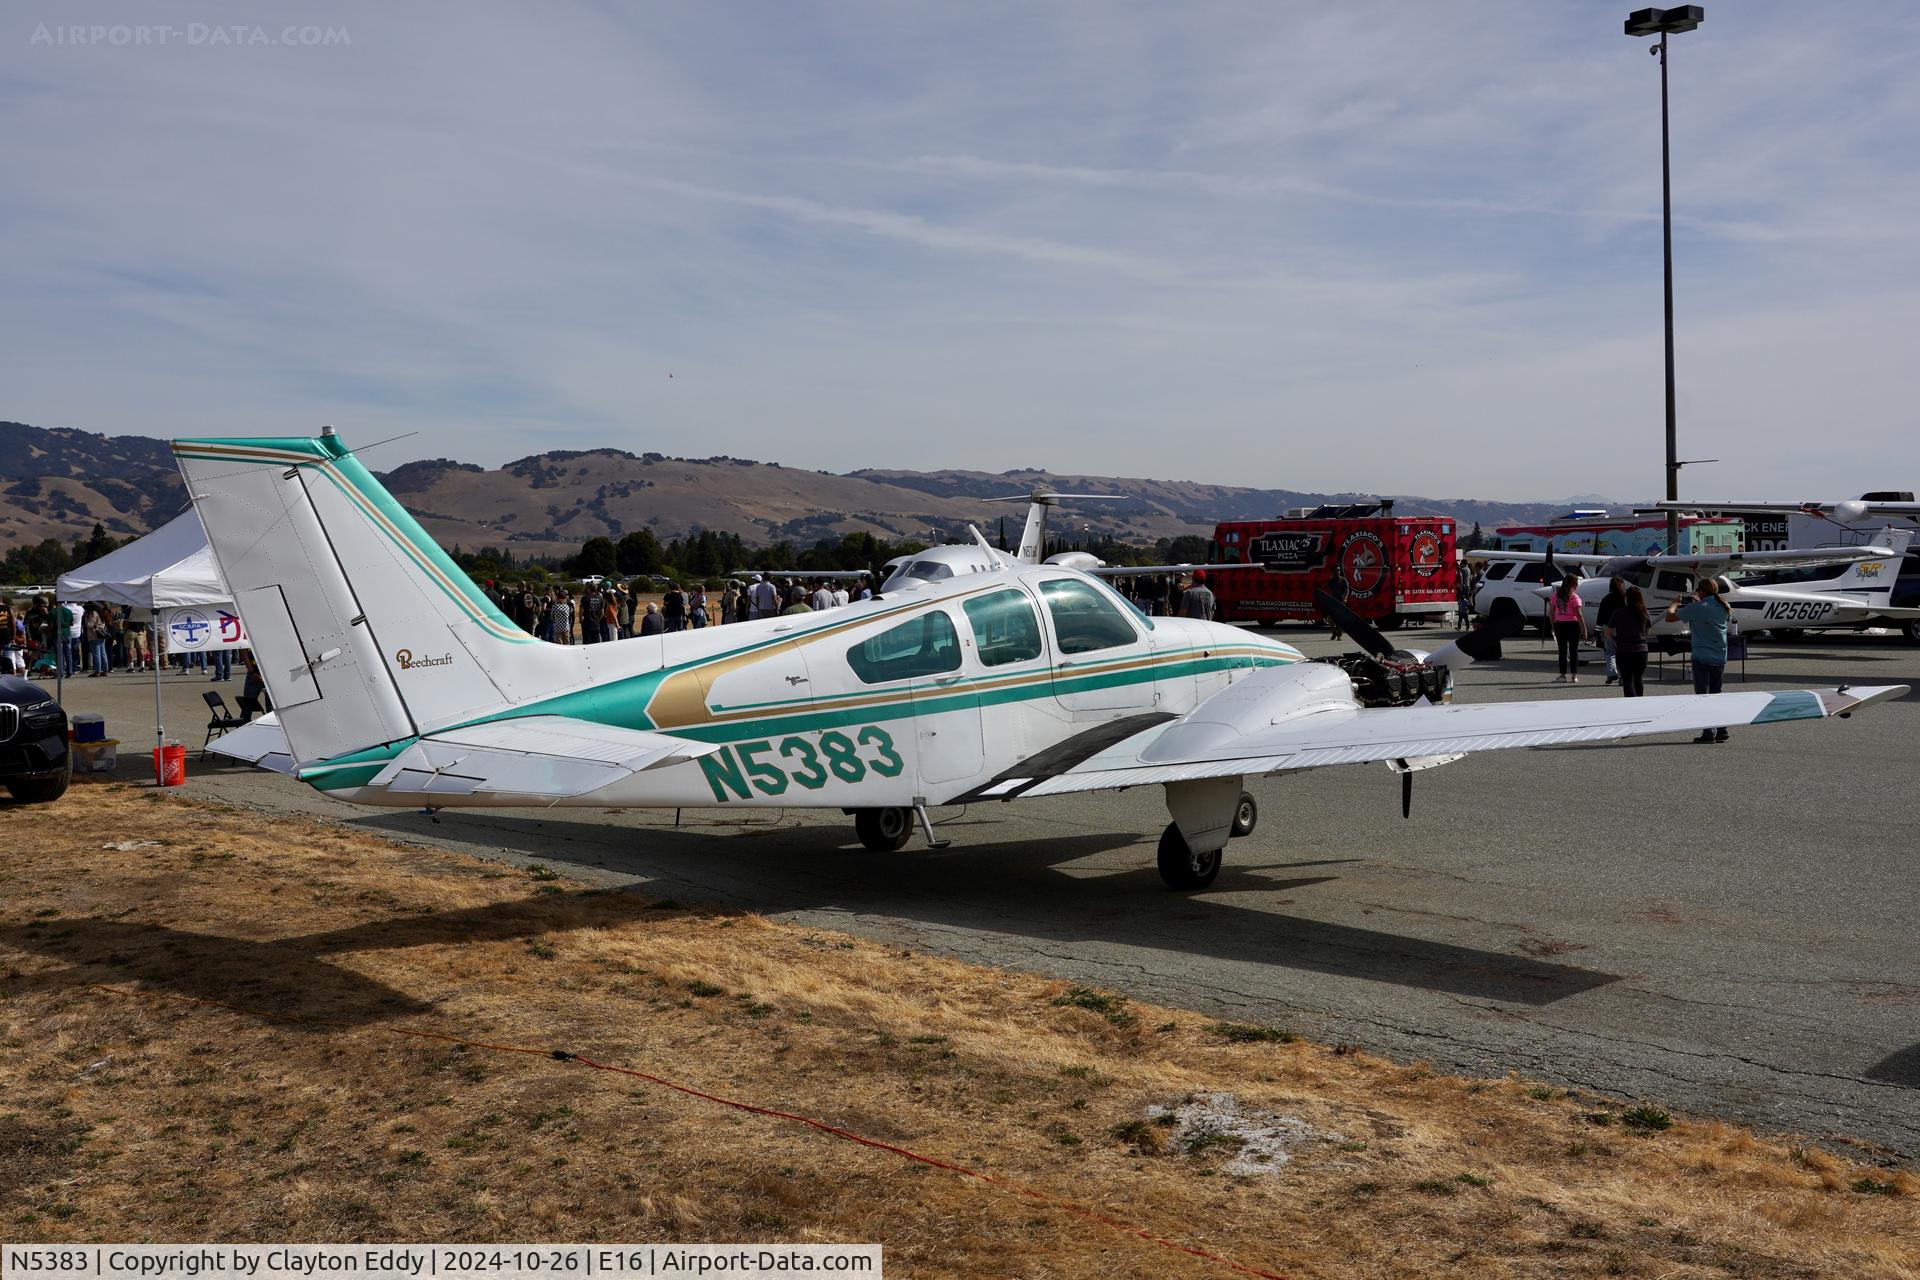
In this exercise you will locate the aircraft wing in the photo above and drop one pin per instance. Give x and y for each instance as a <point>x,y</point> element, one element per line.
<point>1846,508</point>
<point>1578,558</point>
<point>806,573</point>
<point>262,742</point>
<point>1712,565</point>
<point>1149,570</point>
<point>1194,747</point>
<point>544,756</point>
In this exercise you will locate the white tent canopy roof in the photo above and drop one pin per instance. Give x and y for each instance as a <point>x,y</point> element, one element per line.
<point>169,567</point>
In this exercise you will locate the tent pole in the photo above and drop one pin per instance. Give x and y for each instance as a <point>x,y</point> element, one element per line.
<point>59,654</point>
<point>153,650</point>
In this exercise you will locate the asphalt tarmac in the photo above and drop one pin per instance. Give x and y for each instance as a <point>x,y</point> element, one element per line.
<point>1725,930</point>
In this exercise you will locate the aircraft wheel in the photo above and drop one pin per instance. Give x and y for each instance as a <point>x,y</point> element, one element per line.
<point>38,790</point>
<point>1180,866</point>
<point>1246,815</point>
<point>884,830</point>
<point>1912,629</point>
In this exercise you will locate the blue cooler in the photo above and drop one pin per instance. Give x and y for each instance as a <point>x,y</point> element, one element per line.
<point>88,727</point>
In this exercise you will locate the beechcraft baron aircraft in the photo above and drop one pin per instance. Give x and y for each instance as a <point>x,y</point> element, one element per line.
<point>1859,590</point>
<point>395,682</point>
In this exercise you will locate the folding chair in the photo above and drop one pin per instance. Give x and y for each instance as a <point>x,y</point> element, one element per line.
<point>220,719</point>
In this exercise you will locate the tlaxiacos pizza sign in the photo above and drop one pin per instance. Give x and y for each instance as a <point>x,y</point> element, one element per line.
<point>1289,551</point>
<point>202,630</point>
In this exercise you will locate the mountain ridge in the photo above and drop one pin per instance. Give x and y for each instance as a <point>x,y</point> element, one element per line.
<point>58,481</point>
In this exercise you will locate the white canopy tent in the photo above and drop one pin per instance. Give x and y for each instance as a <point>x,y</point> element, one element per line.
<point>169,568</point>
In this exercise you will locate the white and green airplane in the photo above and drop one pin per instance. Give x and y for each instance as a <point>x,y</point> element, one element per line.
<point>395,682</point>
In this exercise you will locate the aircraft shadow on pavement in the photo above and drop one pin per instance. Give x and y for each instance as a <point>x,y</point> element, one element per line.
<point>1901,1067</point>
<point>293,976</point>
<point>1016,888</point>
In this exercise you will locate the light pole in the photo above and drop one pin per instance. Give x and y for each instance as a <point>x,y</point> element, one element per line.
<point>1661,22</point>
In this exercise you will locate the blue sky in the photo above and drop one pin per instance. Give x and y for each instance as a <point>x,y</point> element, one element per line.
<point>1355,246</point>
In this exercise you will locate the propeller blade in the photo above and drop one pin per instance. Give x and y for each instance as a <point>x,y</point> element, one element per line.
<point>1364,632</point>
<point>1479,644</point>
<point>1406,794</point>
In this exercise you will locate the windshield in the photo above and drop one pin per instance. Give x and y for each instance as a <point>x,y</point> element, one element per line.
<point>915,571</point>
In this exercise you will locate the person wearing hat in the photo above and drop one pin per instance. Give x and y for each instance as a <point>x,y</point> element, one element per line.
<point>1197,600</point>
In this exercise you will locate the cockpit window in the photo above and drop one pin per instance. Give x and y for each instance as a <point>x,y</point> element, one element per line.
<point>923,646</point>
<point>1083,619</point>
<point>919,571</point>
<point>1004,628</point>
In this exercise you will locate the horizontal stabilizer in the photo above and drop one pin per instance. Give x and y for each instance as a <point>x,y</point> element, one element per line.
<point>545,756</point>
<point>262,742</point>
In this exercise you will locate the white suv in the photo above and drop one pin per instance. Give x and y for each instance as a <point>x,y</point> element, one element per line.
<point>1514,587</point>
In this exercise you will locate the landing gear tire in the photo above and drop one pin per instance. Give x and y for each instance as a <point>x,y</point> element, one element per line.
<point>38,790</point>
<point>1911,627</point>
<point>884,830</point>
<point>1181,867</point>
<point>1246,815</point>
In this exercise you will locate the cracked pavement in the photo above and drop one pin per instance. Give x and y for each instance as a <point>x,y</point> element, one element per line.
<point>1725,930</point>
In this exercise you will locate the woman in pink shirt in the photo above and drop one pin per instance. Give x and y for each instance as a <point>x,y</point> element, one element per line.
<point>1569,627</point>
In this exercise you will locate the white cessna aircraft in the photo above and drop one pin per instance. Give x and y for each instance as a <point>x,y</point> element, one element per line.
<point>1859,591</point>
<point>395,682</point>
<point>1848,514</point>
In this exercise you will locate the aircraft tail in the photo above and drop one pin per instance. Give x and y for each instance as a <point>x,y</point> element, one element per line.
<point>1877,576</point>
<point>365,632</point>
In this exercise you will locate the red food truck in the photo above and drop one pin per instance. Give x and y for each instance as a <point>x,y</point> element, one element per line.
<point>1397,568</point>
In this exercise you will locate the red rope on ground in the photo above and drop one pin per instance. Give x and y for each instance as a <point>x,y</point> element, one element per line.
<point>821,1126</point>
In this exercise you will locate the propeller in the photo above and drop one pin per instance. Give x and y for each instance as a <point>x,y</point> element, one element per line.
<point>1363,632</point>
<point>1479,644</point>
<point>1048,497</point>
<point>1406,794</point>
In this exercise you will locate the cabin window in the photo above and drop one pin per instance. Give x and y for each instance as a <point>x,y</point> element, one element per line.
<point>923,646</point>
<point>1083,621</point>
<point>1004,628</point>
<point>1673,580</point>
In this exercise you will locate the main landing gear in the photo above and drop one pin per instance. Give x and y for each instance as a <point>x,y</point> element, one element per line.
<point>1214,811</point>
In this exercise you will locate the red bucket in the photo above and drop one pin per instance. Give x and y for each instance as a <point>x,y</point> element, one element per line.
<point>170,765</point>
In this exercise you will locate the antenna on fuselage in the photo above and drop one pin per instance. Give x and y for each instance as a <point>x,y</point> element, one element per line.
<point>1033,539</point>
<point>994,555</point>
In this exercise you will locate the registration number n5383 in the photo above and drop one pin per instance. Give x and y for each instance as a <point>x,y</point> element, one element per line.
<point>772,765</point>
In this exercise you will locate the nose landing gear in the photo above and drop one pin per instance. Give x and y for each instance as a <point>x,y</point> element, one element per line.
<point>884,830</point>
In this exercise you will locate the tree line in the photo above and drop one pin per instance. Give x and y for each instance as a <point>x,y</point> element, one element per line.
<point>40,563</point>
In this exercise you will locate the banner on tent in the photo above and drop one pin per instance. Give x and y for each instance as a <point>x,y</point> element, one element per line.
<point>202,629</point>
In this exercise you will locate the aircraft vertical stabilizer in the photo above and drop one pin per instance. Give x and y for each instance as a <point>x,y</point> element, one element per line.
<point>1877,576</point>
<point>365,631</point>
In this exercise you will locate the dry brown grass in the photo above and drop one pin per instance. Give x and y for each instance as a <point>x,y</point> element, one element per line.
<point>142,1117</point>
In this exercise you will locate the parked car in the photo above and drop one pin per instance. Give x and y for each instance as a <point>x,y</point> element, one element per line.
<point>33,742</point>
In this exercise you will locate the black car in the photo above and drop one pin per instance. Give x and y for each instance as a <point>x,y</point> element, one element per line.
<point>33,742</point>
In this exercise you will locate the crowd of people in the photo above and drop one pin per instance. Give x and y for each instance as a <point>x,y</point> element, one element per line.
<point>75,639</point>
<point>601,611</point>
<point>1624,626</point>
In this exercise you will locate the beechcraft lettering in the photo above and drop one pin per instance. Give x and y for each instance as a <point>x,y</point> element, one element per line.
<point>973,676</point>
